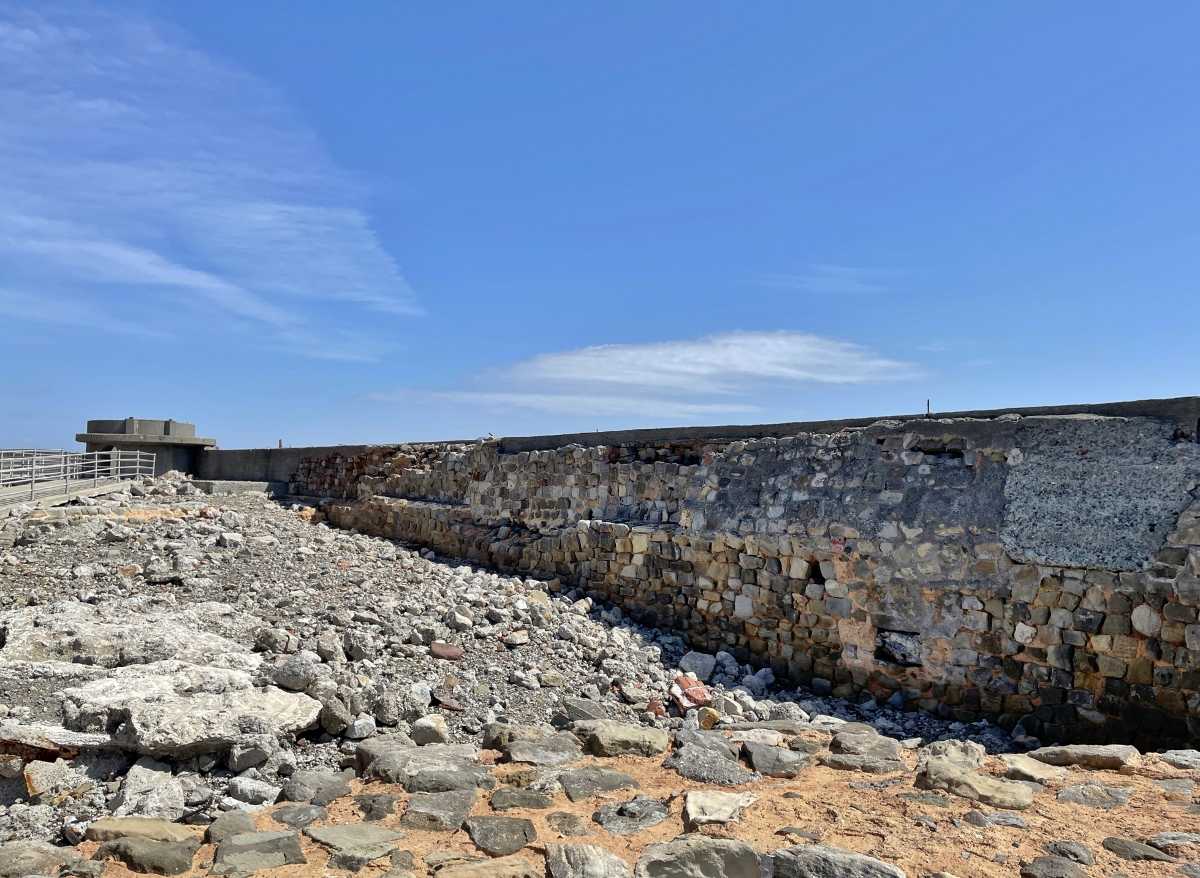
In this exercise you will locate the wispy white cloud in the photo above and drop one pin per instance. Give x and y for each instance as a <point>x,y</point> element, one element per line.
<point>74,313</point>
<point>688,380</point>
<point>720,364</point>
<point>137,165</point>
<point>833,280</point>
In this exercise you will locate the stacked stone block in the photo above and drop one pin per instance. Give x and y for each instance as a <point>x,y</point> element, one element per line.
<point>1042,571</point>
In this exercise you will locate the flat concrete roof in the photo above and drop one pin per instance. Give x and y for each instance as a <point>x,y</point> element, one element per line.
<point>1183,411</point>
<point>142,439</point>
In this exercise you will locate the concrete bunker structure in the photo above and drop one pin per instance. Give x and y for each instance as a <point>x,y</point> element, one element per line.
<point>174,442</point>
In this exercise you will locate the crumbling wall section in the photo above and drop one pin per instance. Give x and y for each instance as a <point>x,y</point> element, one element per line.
<point>1037,570</point>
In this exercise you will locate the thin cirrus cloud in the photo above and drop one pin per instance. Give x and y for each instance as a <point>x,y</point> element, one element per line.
<point>834,280</point>
<point>138,169</point>
<point>83,315</point>
<point>688,379</point>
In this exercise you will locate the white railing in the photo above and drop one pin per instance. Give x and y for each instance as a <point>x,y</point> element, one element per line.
<point>30,474</point>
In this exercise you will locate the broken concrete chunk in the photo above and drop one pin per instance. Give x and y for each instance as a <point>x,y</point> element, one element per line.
<point>175,709</point>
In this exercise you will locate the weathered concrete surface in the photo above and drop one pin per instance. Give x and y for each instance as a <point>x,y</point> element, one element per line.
<point>1092,492</point>
<point>263,464</point>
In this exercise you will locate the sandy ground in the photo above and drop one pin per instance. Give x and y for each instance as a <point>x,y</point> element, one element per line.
<point>879,821</point>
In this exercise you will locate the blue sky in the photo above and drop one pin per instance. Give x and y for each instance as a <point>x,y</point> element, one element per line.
<point>380,222</point>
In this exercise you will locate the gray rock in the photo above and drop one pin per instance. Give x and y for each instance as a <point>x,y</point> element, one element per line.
<point>1177,844</point>
<point>696,856</point>
<point>513,797</point>
<point>574,709</point>
<point>432,768</point>
<point>150,790</point>
<point>297,815</point>
<point>169,708</point>
<point>362,726</point>
<point>149,856</point>
<point>297,672</point>
<point>705,807</point>
<point>1102,756</point>
<point>822,861</point>
<point>940,773</point>
<point>1177,789</point>
<point>866,751</point>
<point>431,729</point>
<point>559,749</point>
<point>229,824</point>
<point>500,836</point>
<point>714,741</point>
<point>707,766</point>
<point>354,845</point>
<point>584,861</point>
<point>21,858</point>
<point>376,806</point>
<point>1128,849</point>
<point>250,852</point>
<point>156,829</point>
<point>503,867</point>
<point>1052,867</point>
<point>501,736</point>
<point>583,783</point>
<point>1185,759</point>
<point>606,737</point>
<point>966,754</point>
<point>1018,766</point>
<point>631,817</point>
<point>250,753</point>
<point>438,812</point>
<point>999,818</point>
<point>254,791</point>
<point>701,664</point>
<point>82,869</point>
<point>567,824</point>
<point>1072,850</point>
<point>775,761</point>
<point>1095,795</point>
<point>53,782</point>
<point>461,776</point>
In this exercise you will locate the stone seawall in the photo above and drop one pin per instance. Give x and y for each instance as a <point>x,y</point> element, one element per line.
<point>1041,570</point>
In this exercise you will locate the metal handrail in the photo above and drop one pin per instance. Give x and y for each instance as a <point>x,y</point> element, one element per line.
<point>31,474</point>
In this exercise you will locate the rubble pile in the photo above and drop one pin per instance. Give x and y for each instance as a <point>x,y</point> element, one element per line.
<point>233,688</point>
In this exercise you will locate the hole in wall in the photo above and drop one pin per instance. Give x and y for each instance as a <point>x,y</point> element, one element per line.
<point>898,648</point>
<point>814,572</point>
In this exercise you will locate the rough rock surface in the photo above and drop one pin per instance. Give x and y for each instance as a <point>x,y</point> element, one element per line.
<point>305,698</point>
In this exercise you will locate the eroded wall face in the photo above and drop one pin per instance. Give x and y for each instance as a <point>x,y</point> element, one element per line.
<point>1039,569</point>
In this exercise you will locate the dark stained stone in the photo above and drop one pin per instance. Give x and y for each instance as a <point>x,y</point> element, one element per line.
<point>507,798</point>
<point>298,815</point>
<point>583,783</point>
<point>500,836</point>
<point>1128,849</point>
<point>629,818</point>
<point>149,856</point>
<point>1072,850</point>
